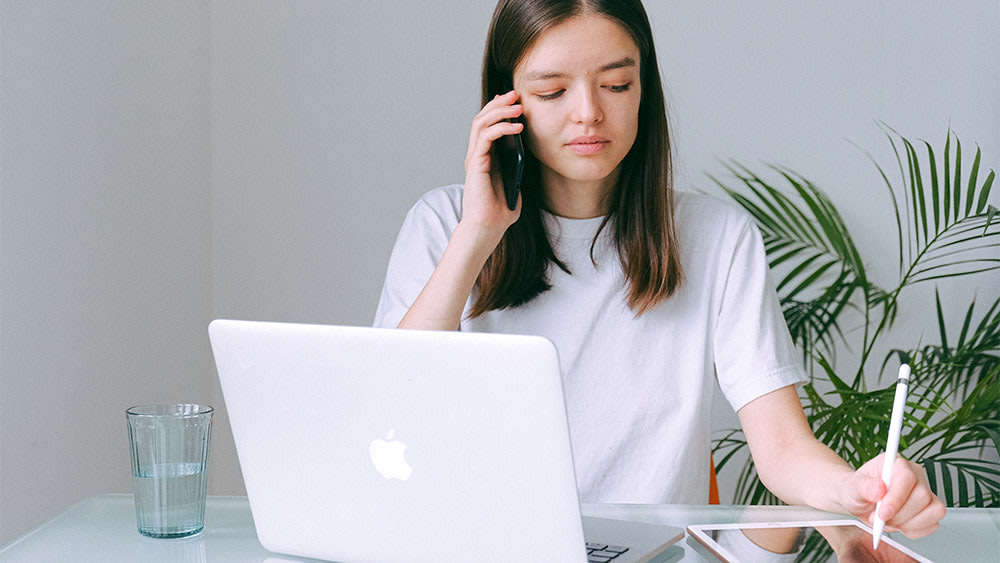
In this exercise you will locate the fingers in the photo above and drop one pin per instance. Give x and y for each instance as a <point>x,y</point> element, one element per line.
<point>490,124</point>
<point>909,505</point>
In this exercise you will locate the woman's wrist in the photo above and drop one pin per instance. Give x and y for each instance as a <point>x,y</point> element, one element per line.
<point>476,240</point>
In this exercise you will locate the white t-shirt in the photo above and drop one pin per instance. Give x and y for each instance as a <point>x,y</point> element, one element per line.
<point>638,390</point>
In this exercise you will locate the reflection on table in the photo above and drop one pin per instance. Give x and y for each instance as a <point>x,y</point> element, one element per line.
<point>102,528</point>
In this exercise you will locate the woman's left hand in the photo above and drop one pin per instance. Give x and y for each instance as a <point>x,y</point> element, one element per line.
<point>908,505</point>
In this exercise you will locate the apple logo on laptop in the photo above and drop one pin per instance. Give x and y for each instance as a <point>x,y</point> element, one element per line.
<point>388,457</point>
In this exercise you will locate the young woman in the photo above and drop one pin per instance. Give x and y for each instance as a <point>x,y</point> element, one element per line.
<point>647,294</point>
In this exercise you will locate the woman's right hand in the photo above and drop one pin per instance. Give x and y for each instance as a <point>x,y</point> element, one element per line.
<point>483,203</point>
<point>485,218</point>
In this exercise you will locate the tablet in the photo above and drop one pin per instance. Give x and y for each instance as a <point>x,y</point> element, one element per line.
<point>817,541</point>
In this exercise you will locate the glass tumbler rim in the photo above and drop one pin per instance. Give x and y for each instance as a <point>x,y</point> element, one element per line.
<point>179,410</point>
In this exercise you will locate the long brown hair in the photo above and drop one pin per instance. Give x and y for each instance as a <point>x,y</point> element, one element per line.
<point>641,207</point>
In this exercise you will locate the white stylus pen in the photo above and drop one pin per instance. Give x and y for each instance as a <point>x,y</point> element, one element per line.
<point>892,445</point>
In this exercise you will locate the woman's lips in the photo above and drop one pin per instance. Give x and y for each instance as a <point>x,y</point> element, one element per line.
<point>587,145</point>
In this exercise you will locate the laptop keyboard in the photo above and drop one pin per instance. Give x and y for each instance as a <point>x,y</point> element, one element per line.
<point>602,553</point>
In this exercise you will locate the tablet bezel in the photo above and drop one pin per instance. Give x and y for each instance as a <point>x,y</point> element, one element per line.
<point>701,533</point>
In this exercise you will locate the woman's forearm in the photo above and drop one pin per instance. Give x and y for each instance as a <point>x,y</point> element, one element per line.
<point>790,461</point>
<point>442,301</point>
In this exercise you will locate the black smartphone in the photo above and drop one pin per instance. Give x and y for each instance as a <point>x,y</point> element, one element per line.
<point>510,154</point>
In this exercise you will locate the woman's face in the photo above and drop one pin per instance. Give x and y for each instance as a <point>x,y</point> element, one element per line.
<point>580,87</point>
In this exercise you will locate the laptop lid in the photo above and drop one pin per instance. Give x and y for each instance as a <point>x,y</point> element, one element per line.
<point>366,444</point>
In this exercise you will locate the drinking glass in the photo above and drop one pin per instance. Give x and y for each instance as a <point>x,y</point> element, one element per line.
<point>169,446</point>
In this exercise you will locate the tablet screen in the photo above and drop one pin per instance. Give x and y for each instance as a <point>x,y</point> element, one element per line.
<point>813,542</point>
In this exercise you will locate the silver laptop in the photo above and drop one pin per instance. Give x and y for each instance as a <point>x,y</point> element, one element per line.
<point>365,444</point>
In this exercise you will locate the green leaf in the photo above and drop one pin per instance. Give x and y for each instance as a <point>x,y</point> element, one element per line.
<point>973,176</point>
<point>991,212</point>
<point>958,176</point>
<point>946,199</point>
<point>917,192</point>
<point>935,191</point>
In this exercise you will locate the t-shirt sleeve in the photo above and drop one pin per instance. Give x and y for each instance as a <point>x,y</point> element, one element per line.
<point>418,249</point>
<point>754,352</point>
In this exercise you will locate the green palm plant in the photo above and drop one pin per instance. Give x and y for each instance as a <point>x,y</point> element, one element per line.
<point>946,229</point>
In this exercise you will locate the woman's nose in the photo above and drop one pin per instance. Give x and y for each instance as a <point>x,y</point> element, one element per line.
<point>586,107</point>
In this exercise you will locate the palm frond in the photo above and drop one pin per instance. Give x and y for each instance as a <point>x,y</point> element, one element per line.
<point>935,210</point>
<point>975,354</point>
<point>946,228</point>
<point>963,481</point>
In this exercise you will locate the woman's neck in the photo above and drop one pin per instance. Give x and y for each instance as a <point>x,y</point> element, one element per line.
<point>575,199</point>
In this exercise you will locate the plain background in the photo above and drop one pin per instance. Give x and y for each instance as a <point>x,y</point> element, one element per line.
<point>166,163</point>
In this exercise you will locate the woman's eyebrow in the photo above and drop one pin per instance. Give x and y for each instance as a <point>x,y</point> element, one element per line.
<point>625,62</point>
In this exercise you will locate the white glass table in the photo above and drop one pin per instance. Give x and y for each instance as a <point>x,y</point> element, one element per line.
<point>102,529</point>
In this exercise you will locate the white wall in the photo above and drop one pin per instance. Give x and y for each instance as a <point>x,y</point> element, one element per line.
<point>292,136</point>
<point>105,265</point>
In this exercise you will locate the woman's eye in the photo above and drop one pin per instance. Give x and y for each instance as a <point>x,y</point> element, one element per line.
<point>550,95</point>
<point>620,87</point>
